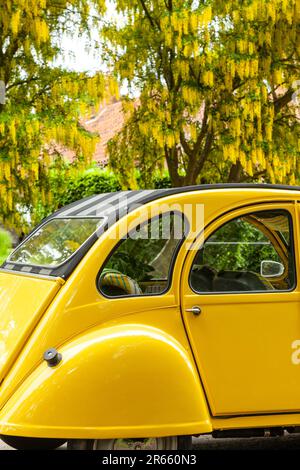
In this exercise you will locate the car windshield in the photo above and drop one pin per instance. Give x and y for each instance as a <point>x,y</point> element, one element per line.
<point>55,241</point>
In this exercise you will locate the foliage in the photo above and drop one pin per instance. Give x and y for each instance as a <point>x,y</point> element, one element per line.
<point>84,184</point>
<point>238,246</point>
<point>43,100</point>
<point>156,180</point>
<point>133,257</point>
<point>68,186</point>
<point>5,245</point>
<point>216,80</point>
<point>137,255</point>
<point>87,183</point>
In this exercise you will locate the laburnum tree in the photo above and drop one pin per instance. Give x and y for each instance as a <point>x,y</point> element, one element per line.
<point>216,83</point>
<point>43,102</point>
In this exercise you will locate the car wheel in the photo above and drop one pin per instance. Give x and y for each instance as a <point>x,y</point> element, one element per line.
<point>151,443</point>
<point>32,443</point>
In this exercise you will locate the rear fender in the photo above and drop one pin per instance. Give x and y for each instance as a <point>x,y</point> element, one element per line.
<point>119,381</point>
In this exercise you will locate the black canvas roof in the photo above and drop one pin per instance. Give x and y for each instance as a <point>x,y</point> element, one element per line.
<point>121,201</point>
<point>113,206</point>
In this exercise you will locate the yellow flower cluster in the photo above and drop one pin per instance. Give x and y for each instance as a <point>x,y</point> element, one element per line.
<point>185,23</point>
<point>15,22</point>
<point>208,78</point>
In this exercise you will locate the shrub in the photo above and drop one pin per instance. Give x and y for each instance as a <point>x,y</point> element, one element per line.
<point>87,184</point>
<point>96,181</point>
<point>5,245</point>
<point>66,190</point>
<point>162,182</point>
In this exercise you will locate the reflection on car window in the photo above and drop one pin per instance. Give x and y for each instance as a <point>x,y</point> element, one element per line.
<point>54,242</point>
<point>249,253</point>
<point>141,264</point>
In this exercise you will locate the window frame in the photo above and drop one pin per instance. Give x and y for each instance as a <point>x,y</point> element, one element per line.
<point>171,267</point>
<point>292,227</point>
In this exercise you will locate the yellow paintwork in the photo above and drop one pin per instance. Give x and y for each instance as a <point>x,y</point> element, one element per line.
<point>23,299</point>
<point>242,344</point>
<point>128,369</point>
<point>120,365</point>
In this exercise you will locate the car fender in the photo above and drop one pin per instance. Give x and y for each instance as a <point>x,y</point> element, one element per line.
<point>119,381</point>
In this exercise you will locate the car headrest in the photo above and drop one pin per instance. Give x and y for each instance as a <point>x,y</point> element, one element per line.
<point>120,281</point>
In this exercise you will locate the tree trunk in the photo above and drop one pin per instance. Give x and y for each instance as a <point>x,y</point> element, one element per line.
<point>196,157</point>
<point>236,173</point>
<point>173,166</point>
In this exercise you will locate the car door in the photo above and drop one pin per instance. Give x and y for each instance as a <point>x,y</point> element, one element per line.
<point>243,339</point>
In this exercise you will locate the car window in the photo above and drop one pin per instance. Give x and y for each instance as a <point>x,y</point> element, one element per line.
<point>141,264</point>
<point>249,253</point>
<point>55,242</point>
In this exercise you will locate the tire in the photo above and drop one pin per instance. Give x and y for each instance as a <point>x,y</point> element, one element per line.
<point>32,443</point>
<point>184,442</point>
<point>161,443</point>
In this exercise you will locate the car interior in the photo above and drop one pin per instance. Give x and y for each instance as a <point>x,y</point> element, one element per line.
<point>267,231</point>
<point>230,260</point>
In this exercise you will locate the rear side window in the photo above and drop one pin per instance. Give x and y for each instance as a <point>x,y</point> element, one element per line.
<point>142,263</point>
<point>250,253</point>
<point>55,242</point>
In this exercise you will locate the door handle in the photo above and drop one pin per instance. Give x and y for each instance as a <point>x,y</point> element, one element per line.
<point>194,310</point>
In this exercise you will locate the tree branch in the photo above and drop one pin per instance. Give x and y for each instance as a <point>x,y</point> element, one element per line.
<point>279,103</point>
<point>147,13</point>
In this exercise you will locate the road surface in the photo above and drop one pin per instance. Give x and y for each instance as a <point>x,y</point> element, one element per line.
<point>286,442</point>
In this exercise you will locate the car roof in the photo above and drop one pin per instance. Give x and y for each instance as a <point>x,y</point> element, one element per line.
<point>124,201</point>
<point>113,206</point>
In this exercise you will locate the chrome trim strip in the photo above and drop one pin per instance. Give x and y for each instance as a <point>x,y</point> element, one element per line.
<point>27,274</point>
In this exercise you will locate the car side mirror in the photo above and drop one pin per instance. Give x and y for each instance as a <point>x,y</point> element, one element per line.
<point>269,268</point>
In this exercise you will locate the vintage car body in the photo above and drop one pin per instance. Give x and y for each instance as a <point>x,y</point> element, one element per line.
<point>148,363</point>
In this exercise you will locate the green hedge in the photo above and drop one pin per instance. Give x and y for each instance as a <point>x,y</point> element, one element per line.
<point>5,245</point>
<point>96,182</point>
<point>162,182</point>
<point>87,184</point>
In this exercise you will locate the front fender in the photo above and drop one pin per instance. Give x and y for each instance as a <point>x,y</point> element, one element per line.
<point>118,381</point>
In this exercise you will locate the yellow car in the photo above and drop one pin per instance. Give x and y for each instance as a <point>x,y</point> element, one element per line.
<point>139,319</point>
